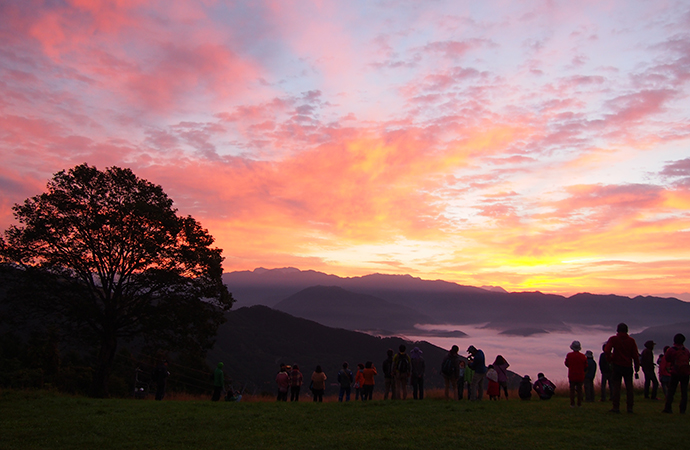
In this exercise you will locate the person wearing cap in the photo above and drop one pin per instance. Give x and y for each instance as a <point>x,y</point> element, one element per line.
<point>621,352</point>
<point>589,376</point>
<point>678,363</point>
<point>576,363</point>
<point>477,362</point>
<point>647,364</point>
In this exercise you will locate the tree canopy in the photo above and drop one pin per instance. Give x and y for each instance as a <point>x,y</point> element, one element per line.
<point>117,262</point>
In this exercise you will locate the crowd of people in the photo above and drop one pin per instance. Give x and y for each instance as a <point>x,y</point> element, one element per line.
<point>619,362</point>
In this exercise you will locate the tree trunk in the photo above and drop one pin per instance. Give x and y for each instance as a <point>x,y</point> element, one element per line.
<point>104,366</point>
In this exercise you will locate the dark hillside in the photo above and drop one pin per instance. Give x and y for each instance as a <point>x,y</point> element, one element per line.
<point>663,335</point>
<point>255,340</point>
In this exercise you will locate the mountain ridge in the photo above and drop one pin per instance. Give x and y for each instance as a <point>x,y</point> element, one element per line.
<point>451,303</point>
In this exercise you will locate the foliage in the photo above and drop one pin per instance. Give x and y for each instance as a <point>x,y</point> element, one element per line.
<point>106,258</point>
<point>72,422</point>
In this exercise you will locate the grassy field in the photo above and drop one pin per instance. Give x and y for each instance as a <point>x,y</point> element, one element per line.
<point>44,420</point>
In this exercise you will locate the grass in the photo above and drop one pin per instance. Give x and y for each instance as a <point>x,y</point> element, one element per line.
<point>45,420</point>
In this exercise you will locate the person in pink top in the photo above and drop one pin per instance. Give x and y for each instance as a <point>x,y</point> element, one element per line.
<point>576,363</point>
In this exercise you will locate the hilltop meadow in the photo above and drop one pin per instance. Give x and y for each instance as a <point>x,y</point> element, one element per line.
<point>47,420</point>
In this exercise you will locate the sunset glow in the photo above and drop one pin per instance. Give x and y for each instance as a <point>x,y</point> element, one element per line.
<point>530,145</point>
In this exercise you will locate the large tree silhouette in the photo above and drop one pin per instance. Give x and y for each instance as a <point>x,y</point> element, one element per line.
<point>114,261</point>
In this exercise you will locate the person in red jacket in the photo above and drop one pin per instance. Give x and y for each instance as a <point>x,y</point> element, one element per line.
<point>621,352</point>
<point>576,363</point>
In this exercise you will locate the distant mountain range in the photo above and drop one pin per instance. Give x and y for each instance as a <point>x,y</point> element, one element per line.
<point>395,303</point>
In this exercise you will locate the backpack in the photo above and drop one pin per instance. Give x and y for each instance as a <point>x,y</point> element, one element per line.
<point>447,366</point>
<point>681,362</point>
<point>403,365</point>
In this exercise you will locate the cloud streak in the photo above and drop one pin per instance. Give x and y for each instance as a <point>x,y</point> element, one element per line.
<point>539,146</point>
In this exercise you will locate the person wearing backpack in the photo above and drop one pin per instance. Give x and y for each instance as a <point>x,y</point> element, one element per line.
<point>621,352</point>
<point>402,367</point>
<point>417,377</point>
<point>544,387</point>
<point>678,364</point>
<point>345,379</point>
<point>450,369</point>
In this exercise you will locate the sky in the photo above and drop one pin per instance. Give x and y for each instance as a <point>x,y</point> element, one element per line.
<point>532,145</point>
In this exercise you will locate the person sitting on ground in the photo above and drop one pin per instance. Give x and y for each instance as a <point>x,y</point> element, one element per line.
<point>544,387</point>
<point>525,388</point>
